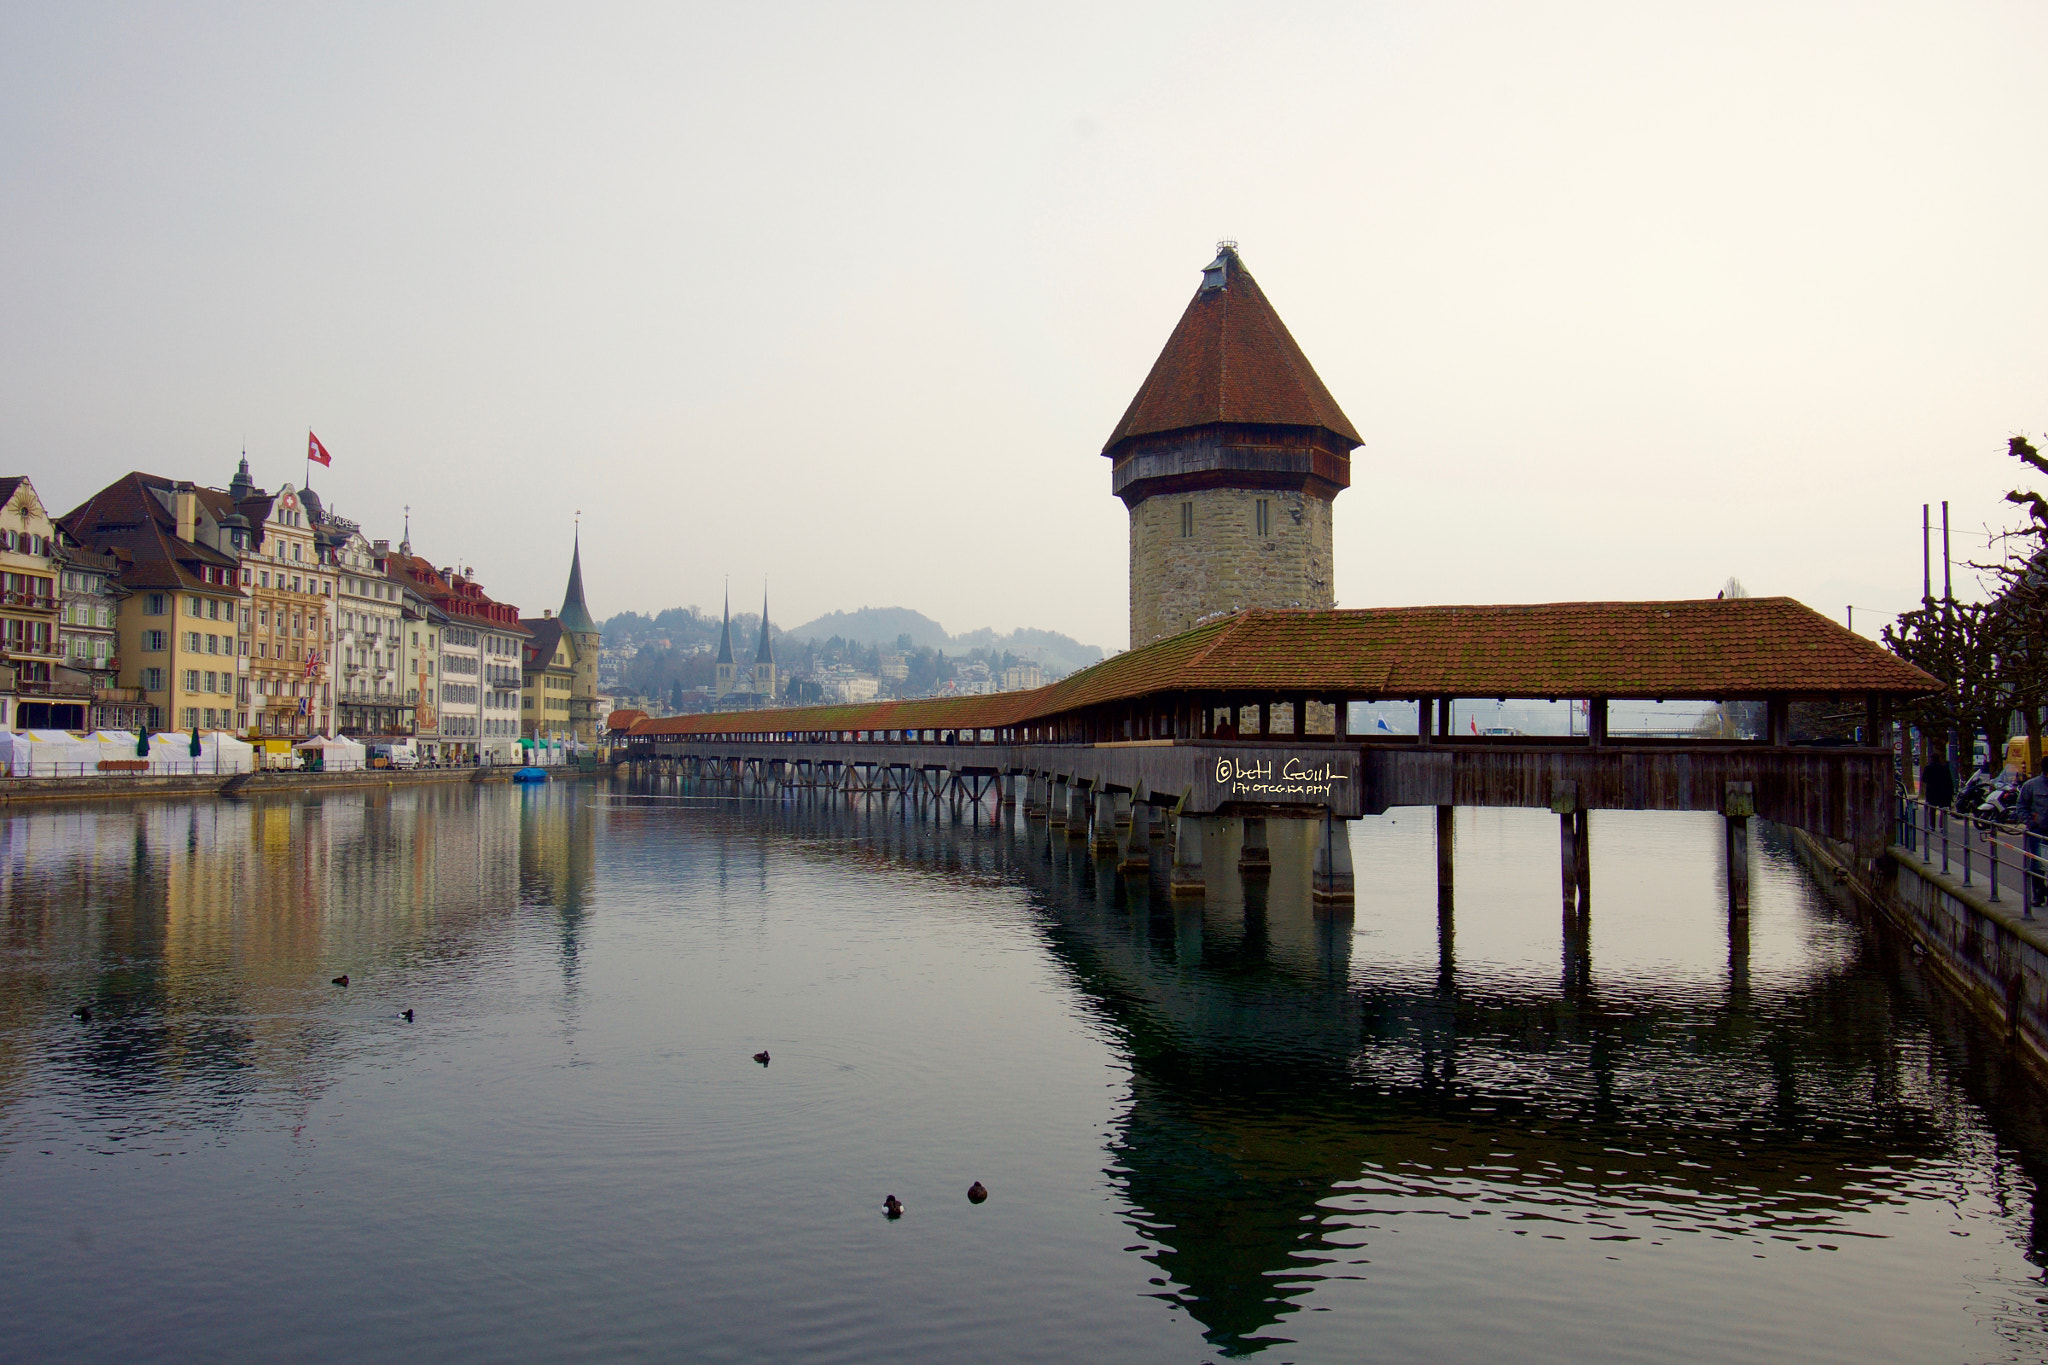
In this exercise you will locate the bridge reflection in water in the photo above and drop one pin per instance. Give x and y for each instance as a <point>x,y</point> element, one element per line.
<point>1302,1079</point>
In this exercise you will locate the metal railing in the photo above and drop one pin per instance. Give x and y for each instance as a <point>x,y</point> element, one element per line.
<point>1986,854</point>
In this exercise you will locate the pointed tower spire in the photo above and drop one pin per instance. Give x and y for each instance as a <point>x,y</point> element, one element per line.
<point>405,545</point>
<point>1229,460</point>
<point>766,653</point>
<point>241,486</point>
<point>575,616</point>
<point>725,636</point>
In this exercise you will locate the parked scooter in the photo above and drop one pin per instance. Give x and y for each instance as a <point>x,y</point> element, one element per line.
<point>1989,798</point>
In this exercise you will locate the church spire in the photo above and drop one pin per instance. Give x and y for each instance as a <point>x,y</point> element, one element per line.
<point>725,636</point>
<point>765,654</point>
<point>575,615</point>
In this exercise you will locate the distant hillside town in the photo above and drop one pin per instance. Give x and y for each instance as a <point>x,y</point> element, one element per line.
<point>167,604</point>
<point>685,660</point>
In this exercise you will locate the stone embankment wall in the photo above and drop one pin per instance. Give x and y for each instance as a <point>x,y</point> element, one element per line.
<point>1982,951</point>
<point>22,790</point>
<point>1226,565</point>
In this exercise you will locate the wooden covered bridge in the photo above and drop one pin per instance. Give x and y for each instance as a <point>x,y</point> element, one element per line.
<point>1245,719</point>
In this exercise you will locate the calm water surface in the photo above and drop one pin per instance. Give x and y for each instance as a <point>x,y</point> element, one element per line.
<point>1233,1130</point>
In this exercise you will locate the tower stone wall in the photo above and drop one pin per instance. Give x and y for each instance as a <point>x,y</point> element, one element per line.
<point>1223,564</point>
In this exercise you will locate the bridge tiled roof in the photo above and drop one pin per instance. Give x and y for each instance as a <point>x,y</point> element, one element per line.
<point>1230,359</point>
<point>1753,647</point>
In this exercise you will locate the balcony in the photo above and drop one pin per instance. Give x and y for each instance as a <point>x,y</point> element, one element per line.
<point>70,691</point>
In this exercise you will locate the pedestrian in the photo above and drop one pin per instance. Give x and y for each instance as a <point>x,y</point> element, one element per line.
<point>1938,781</point>
<point>2033,813</point>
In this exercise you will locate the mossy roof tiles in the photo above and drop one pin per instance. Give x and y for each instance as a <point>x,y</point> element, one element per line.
<point>1231,359</point>
<point>1687,650</point>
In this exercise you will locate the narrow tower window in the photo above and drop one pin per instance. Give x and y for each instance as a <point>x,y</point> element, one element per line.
<point>1263,517</point>
<point>1187,520</point>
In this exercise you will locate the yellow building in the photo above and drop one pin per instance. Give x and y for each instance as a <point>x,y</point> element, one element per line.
<point>179,625</point>
<point>290,583</point>
<point>31,647</point>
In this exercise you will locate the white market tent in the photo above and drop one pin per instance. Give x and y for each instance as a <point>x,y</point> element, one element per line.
<point>337,753</point>
<point>47,753</point>
<point>219,752</point>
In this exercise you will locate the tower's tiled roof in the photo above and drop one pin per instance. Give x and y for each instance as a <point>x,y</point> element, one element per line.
<point>1231,360</point>
<point>574,616</point>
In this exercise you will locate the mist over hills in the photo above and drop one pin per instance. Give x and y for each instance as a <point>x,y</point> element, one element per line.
<point>886,626</point>
<point>883,627</point>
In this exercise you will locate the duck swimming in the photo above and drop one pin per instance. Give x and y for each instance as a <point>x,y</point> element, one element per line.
<point>408,1016</point>
<point>892,1207</point>
<point>82,1015</point>
<point>977,1193</point>
<point>762,1056</point>
<point>341,980</point>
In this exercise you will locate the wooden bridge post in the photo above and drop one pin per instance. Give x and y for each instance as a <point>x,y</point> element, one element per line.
<point>1077,810</point>
<point>1334,883</point>
<point>1056,803</point>
<point>1564,800</point>
<point>1006,791</point>
<point>1254,858</point>
<point>1122,802</point>
<point>1446,842</point>
<point>1582,856</point>
<point>1738,805</point>
<point>1186,879</point>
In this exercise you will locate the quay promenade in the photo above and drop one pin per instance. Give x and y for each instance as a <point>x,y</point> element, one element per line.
<point>20,791</point>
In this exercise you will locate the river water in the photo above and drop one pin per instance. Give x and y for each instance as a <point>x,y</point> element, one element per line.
<point>1234,1130</point>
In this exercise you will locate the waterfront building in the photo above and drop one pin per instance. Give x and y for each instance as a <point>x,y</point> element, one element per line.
<point>369,688</point>
<point>88,598</point>
<point>177,618</point>
<point>1229,460</point>
<point>460,644</point>
<point>548,678</point>
<point>291,585</point>
<point>36,692</point>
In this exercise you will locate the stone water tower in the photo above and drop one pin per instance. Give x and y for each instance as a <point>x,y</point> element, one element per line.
<point>1229,460</point>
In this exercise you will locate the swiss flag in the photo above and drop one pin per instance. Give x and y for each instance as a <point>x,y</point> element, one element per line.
<point>316,452</point>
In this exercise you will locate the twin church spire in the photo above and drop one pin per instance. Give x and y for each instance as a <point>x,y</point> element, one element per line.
<point>758,683</point>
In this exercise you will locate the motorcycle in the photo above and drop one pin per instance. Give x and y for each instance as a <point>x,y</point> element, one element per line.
<point>1989,799</point>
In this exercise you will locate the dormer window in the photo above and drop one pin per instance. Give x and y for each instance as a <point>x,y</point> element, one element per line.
<point>1216,274</point>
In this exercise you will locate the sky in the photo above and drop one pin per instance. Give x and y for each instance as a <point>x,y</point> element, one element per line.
<point>1624,298</point>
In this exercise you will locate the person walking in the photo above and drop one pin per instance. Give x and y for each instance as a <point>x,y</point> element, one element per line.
<point>2032,810</point>
<point>1938,780</point>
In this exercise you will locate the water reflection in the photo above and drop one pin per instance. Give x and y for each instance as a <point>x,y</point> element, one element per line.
<point>1290,1100</point>
<point>1307,1101</point>
<point>200,936</point>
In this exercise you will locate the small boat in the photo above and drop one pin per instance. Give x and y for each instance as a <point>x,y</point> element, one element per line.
<point>530,775</point>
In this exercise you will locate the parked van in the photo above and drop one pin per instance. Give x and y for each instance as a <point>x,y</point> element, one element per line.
<point>2016,756</point>
<point>393,754</point>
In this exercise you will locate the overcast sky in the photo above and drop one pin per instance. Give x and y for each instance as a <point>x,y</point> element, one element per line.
<point>1625,298</point>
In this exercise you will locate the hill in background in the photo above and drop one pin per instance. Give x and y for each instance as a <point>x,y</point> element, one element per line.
<point>881,627</point>
<point>886,627</point>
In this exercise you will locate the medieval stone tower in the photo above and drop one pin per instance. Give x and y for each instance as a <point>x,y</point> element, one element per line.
<point>1229,460</point>
<point>585,643</point>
